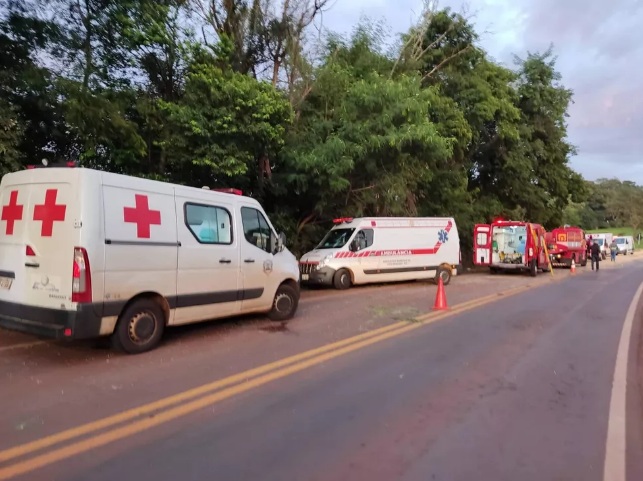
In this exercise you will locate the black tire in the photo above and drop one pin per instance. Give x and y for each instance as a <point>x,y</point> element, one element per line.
<point>533,268</point>
<point>493,271</point>
<point>445,273</point>
<point>140,327</point>
<point>342,279</point>
<point>285,303</point>
<point>583,261</point>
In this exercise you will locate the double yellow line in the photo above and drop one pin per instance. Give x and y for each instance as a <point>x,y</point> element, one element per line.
<point>133,421</point>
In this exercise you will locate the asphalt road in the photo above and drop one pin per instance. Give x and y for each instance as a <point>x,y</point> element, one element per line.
<point>518,387</point>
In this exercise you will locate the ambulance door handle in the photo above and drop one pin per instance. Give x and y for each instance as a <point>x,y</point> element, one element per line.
<point>249,261</point>
<point>32,264</point>
<point>225,261</point>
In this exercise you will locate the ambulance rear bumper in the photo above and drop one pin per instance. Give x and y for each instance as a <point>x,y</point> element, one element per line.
<point>51,323</point>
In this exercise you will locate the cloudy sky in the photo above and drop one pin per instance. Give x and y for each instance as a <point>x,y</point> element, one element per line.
<point>599,45</point>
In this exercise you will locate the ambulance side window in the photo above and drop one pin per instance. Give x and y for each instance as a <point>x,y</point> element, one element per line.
<point>255,228</point>
<point>364,239</point>
<point>208,224</point>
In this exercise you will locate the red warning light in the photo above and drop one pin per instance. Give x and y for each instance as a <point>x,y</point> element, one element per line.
<point>229,191</point>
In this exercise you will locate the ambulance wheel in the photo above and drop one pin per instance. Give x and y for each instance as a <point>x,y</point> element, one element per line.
<point>445,274</point>
<point>583,261</point>
<point>533,269</point>
<point>140,327</point>
<point>342,279</point>
<point>285,304</point>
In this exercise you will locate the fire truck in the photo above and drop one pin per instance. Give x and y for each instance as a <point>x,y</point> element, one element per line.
<point>565,244</point>
<point>507,245</point>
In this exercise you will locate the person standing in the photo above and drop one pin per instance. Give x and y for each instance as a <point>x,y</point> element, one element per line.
<point>613,250</point>
<point>596,254</point>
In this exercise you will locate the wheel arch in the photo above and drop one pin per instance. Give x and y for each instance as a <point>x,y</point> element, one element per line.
<point>150,295</point>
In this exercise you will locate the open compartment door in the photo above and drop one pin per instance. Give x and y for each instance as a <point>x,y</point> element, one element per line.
<point>482,245</point>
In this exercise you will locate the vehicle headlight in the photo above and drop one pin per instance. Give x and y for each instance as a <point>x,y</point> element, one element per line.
<point>324,262</point>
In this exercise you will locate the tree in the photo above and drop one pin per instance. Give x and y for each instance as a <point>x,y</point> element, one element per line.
<point>223,126</point>
<point>363,143</point>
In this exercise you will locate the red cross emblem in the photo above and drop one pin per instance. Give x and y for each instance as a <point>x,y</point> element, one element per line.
<point>142,216</point>
<point>12,212</point>
<point>49,212</point>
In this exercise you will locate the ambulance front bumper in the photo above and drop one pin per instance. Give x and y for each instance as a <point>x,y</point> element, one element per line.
<point>50,323</point>
<point>318,277</point>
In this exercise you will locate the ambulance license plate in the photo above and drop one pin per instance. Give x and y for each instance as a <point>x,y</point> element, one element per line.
<point>305,277</point>
<point>5,282</point>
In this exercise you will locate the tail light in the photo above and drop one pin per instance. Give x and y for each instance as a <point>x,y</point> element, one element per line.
<point>82,278</point>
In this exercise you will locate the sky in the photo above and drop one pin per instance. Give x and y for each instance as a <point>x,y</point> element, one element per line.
<point>599,46</point>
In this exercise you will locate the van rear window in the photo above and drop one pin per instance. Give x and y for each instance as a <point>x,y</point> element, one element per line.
<point>209,224</point>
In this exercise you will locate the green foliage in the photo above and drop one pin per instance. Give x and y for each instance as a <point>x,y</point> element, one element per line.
<point>205,92</point>
<point>224,122</point>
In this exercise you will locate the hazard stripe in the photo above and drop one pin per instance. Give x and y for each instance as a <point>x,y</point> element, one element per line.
<point>395,252</point>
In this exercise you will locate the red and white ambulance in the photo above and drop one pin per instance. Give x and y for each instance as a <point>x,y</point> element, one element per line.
<point>85,253</point>
<point>383,249</point>
<point>510,245</point>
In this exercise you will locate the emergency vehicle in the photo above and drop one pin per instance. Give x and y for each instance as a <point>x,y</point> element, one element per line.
<point>510,245</point>
<point>566,244</point>
<point>625,244</point>
<point>85,253</point>
<point>603,240</point>
<point>383,249</point>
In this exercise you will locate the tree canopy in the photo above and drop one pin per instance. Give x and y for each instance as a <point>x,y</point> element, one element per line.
<point>245,93</point>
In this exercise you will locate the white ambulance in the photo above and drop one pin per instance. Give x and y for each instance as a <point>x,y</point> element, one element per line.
<point>383,249</point>
<point>85,253</point>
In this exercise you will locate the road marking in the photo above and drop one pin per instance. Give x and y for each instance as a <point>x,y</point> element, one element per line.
<point>615,444</point>
<point>311,297</point>
<point>23,345</point>
<point>263,375</point>
<point>150,408</point>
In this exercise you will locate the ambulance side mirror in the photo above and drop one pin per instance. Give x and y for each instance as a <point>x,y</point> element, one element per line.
<point>353,246</point>
<point>278,243</point>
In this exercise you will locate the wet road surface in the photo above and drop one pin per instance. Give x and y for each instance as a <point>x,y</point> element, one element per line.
<point>516,389</point>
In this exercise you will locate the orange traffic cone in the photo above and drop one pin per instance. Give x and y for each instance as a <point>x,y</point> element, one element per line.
<point>573,268</point>
<point>440,297</point>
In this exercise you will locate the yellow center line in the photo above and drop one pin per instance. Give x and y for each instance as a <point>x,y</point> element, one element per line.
<point>225,388</point>
<point>23,345</point>
<point>150,408</point>
<point>205,401</point>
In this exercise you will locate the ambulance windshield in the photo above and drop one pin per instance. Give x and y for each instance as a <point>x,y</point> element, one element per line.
<point>336,238</point>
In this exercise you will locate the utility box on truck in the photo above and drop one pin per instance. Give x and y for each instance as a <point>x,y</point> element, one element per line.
<point>567,244</point>
<point>510,245</point>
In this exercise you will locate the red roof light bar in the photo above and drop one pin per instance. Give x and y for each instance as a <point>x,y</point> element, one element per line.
<point>230,191</point>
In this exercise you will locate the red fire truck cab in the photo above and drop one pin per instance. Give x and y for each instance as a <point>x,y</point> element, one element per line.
<point>510,245</point>
<point>566,244</point>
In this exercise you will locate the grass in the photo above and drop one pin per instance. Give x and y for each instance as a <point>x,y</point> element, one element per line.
<point>618,231</point>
